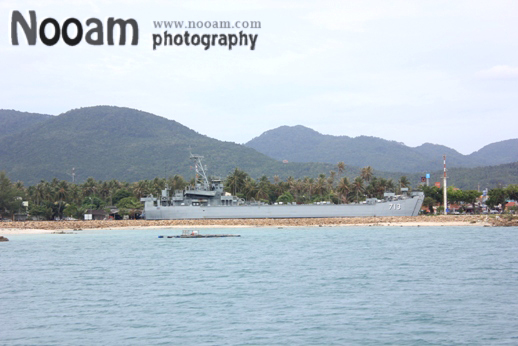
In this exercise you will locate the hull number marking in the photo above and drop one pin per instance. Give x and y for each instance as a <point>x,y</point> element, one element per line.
<point>393,206</point>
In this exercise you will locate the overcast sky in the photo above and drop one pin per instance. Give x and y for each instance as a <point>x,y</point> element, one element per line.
<point>444,72</point>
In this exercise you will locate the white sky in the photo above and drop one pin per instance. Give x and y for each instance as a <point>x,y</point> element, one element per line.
<point>444,72</point>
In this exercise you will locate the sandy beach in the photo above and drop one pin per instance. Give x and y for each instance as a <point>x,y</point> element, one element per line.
<point>49,227</point>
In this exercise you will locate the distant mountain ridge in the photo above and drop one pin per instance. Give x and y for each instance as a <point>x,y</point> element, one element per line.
<point>302,144</point>
<point>499,152</point>
<point>12,121</point>
<point>107,142</point>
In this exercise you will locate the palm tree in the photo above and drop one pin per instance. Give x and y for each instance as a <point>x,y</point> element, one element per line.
<point>140,189</point>
<point>343,189</point>
<point>357,187</point>
<point>278,188</point>
<point>74,194</point>
<point>113,186</point>
<point>54,183</point>
<point>372,188</point>
<point>366,173</point>
<point>19,186</point>
<point>104,190</point>
<point>309,186</point>
<point>235,181</point>
<point>47,192</point>
<point>321,185</point>
<point>232,182</point>
<point>376,187</point>
<point>157,185</point>
<point>89,187</point>
<point>61,194</point>
<point>382,187</point>
<point>404,182</point>
<point>290,182</point>
<point>31,191</point>
<point>331,179</point>
<point>250,187</point>
<point>263,188</point>
<point>295,187</point>
<point>341,167</point>
<point>177,182</point>
<point>390,185</point>
<point>39,192</point>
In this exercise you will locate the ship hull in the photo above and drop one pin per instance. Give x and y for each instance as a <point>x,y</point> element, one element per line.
<point>405,207</point>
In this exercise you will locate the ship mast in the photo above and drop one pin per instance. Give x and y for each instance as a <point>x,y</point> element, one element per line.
<point>201,176</point>
<point>445,190</point>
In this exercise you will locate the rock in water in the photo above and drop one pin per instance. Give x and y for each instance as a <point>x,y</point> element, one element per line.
<point>3,239</point>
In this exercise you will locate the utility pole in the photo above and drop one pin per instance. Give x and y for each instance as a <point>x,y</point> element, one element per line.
<point>445,191</point>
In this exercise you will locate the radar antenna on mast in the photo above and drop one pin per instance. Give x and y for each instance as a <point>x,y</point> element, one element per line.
<point>201,180</point>
<point>73,174</point>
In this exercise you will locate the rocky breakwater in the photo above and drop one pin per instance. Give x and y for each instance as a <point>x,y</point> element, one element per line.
<point>503,220</point>
<point>423,220</point>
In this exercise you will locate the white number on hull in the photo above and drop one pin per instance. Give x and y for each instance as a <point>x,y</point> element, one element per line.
<point>394,206</point>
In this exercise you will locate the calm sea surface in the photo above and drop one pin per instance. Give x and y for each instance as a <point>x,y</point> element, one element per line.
<point>290,286</point>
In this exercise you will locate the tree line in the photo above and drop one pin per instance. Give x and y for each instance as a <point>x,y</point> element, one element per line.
<point>59,198</point>
<point>495,197</point>
<point>333,187</point>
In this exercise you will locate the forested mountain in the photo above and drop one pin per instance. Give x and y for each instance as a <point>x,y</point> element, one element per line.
<point>301,144</point>
<point>107,142</point>
<point>12,121</point>
<point>497,153</point>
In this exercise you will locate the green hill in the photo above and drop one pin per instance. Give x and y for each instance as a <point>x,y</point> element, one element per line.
<point>107,142</point>
<point>497,153</point>
<point>301,144</point>
<point>12,122</point>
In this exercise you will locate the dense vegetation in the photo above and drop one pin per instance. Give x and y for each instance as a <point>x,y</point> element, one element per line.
<point>301,144</point>
<point>59,198</point>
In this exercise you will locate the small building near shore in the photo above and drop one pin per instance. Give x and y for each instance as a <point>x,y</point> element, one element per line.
<point>20,217</point>
<point>97,214</point>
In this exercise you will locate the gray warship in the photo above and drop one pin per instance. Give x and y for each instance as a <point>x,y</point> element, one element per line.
<point>207,200</point>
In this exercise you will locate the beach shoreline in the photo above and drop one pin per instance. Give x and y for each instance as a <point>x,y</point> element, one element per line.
<point>49,227</point>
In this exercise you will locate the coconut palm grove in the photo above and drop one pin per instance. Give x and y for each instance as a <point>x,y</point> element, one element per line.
<point>59,199</point>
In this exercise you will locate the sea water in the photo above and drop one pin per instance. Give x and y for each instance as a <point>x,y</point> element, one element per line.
<point>271,286</point>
